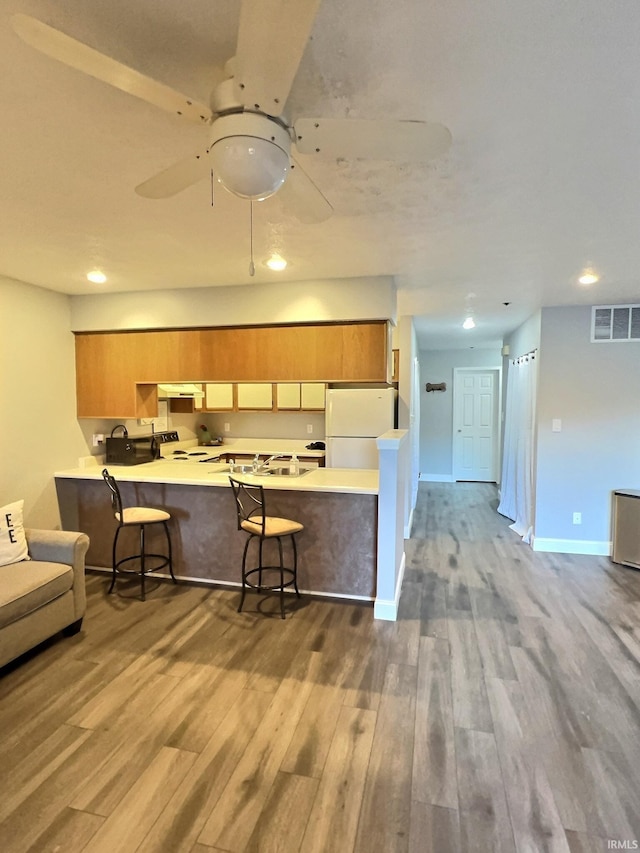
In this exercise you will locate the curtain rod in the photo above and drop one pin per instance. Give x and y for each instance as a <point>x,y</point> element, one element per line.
<point>531,354</point>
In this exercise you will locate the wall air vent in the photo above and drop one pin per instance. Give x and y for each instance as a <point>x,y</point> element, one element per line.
<point>613,323</point>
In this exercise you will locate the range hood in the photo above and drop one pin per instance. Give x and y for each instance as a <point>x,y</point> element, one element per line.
<point>168,390</point>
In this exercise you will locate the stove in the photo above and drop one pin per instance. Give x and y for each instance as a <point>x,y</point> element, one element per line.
<point>193,456</point>
<point>185,451</point>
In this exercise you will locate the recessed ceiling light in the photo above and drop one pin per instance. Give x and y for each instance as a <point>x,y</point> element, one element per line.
<point>589,277</point>
<point>96,277</point>
<point>276,262</point>
<point>469,323</point>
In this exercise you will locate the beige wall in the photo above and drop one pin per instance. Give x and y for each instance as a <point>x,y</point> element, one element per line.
<point>371,298</point>
<point>39,433</point>
<point>593,389</point>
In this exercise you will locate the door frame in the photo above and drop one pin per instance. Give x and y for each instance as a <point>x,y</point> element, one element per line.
<point>458,373</point>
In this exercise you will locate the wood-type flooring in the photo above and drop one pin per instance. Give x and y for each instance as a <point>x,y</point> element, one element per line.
<point>501,712</point>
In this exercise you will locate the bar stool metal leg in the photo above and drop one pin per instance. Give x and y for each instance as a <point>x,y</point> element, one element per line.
<point>281,578</point>
<point>261,541</point>
<point>114,552</point>
<point>295,565</point>
<point>142,563</point>
<point>244,573</point>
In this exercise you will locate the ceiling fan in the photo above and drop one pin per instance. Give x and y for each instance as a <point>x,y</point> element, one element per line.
<point>250,138</point>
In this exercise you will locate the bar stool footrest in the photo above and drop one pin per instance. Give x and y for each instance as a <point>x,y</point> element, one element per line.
<point>164,561</point>
<point>290,573</point>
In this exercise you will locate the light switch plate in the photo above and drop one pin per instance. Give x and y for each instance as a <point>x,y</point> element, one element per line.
<point>556,425</point>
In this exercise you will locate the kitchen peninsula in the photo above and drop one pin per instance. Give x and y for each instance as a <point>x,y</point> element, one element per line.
<point>337,552</point>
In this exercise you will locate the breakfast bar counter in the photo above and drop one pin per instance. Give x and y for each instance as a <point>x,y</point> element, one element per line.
<point>338,508</point>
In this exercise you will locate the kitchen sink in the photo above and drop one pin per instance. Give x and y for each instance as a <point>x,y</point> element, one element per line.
<point>284,471</point>
<point>271,471</point>
<point>239,469</point>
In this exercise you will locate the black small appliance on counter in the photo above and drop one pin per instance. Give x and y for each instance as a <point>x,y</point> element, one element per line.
<point>131,450</point>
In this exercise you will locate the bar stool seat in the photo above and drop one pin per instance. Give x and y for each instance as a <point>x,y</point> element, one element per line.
<point>252,518</point>
<point>140,516</point>
<point>273,526</point>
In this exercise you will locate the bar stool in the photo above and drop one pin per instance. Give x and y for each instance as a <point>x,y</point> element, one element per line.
<point>137,516</point>
<point>252,518</point>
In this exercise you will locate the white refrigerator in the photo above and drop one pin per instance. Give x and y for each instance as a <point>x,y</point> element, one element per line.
<point>355,417</point>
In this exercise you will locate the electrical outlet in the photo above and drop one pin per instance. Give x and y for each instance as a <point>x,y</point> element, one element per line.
<point>310,428</point>
<point>577,518</point>
<point>97,439</point>
<point>227,427</point>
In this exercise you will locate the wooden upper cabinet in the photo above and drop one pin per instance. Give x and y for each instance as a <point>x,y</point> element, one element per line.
<point>255,396</point>
<point>312,396</point>
<point>219,396</point>
<point>287,396</point>
<point>337,352</point>
<point>113,368</point>
<point>172,355</point>
<point>105,384</point>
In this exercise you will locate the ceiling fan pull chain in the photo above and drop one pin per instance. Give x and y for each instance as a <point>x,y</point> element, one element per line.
<point>252,266</point>
<point>212,197</point>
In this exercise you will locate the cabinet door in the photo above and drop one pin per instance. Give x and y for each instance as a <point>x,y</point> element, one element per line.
<point>288,395</point>
<point>106,380</point>
<point>219,396</point>
<point>325,352</point>
<point>255,395</point>
<point>312,395</point>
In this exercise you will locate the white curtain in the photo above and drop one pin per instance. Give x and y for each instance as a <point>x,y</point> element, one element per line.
<point>516,488</point>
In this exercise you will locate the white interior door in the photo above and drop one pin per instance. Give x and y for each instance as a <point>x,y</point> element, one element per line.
<point>476,407</point>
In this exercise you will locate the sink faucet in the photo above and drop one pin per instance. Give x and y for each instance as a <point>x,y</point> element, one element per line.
<point>262,466</point>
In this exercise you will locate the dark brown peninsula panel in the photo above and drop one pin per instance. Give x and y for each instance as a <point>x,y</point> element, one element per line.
<point>336,551</point>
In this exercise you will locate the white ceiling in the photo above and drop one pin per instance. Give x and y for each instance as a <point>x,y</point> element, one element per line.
<point>542,178</point>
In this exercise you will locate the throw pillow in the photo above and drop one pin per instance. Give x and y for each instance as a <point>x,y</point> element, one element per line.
<point>13,542</point>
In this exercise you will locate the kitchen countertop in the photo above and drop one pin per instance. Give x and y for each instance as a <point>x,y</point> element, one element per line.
<point>359,481</point>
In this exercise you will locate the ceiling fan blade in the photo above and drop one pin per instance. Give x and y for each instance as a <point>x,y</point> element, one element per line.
<point>411,141</point>
<point>303,198</point>
<point>83,58</point>
<point>176,178</point>
<point>271,40</point>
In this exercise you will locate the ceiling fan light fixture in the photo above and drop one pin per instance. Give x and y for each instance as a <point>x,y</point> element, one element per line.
<point>250,154</point>
<point>469,323</point>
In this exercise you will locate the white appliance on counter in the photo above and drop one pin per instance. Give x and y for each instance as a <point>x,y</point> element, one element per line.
<point>355,417</point>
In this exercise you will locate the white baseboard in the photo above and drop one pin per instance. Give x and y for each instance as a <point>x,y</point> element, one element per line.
<point>385,608</point>
<point>438,478</point>
<point>409,525</point>
<point>573,546</point>
<point>193,581</point>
